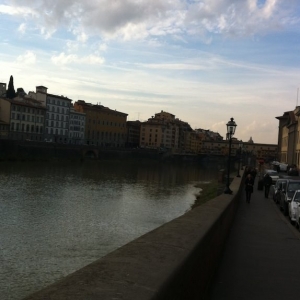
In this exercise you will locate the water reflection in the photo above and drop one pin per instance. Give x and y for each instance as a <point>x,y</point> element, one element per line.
<point>57,218</point>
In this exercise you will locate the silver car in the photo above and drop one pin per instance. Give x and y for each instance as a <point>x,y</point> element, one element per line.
<point>294,206</point>
<point>287,193</point>
<point>277,188</point>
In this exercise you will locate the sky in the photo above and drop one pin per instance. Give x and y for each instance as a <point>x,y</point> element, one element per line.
<point>205,61</point>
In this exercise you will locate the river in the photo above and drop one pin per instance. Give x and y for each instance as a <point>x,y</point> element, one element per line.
<point>58,217</point>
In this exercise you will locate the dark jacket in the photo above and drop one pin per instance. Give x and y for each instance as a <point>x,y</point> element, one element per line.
<point>249,182</point>
<point>267,180</point>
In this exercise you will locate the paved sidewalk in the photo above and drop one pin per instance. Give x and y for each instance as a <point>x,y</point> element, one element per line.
<point>261,259</point>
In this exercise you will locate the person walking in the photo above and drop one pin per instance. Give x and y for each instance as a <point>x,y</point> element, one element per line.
<point>267,184</point>
<point>249,183</point>
<point>253,174</point>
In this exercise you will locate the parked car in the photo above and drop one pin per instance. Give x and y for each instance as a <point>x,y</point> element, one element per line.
<point>276,189</point>
<point>279,166</point>
<point>273,174</point>
<point>283,167</point>
<point>294,205</point>
<point>297,215</point>
<point>287,193</point>
<point>293,170</point>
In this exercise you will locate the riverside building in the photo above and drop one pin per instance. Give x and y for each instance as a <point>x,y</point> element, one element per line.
<point>26,117</point>
<point>57,116</point>
<point>104,127</point>
<point>77,127</point>
<point>164,131</point>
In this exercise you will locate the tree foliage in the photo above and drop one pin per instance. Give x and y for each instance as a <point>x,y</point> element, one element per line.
<point>11,93</point>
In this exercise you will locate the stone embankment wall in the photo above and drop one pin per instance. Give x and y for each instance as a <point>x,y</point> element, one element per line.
<point>11,150</point>
<point>175,261</point>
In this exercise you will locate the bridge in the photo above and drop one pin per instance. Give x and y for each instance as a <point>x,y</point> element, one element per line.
<point>224,249</point>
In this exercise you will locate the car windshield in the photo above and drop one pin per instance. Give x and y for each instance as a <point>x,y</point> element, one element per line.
<point>297,197</point>
<point>272,173</point>
<point>293,186</point>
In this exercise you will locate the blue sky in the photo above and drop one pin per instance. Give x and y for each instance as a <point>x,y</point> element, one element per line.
<point>203,61</point>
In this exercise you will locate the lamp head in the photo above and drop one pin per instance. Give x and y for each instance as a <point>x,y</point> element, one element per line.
<point>231,125</point>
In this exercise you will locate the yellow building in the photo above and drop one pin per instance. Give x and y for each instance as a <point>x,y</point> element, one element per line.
<point>152,134</point>
<point>26,117</point>
<point>288,137</point>
<point>4,118</point>
<point>192,142</point>
<point>104,127</point>
<point>165,131</point>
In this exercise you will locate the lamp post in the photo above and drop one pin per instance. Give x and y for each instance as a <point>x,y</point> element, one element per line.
<point>231,125</point>
<point>242,146</point>
<point>239,159</point>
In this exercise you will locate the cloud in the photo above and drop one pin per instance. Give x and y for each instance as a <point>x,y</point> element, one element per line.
<point>141,19</point>
<point>63,59</point>
<point>218,127</point>
<point>22,28</point>
<point>16,10</point>
<point>28,58</point>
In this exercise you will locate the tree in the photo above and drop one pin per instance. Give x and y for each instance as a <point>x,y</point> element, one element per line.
<point>11,90</point>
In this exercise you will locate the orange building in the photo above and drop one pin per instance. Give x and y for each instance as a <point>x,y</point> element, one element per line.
<point>104,127</point>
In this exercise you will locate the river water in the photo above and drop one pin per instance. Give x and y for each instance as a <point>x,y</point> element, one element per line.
<point>58,217</point>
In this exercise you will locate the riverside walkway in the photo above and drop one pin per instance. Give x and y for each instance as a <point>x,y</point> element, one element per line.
<point>261,259</point>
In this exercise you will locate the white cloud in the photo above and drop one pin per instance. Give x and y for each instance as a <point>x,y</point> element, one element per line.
<point>81,36</point>
<point>16,10</point>
<point>22,28</point>
<point>28,58</point>
<point>140,19</point>
<point>103,47</point>
<point>218,127</point>
<point>63,59</point>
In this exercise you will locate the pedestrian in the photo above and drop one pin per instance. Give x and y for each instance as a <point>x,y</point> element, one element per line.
<point>253,173</point>
<point>267,184</point>
<point>249,183</point>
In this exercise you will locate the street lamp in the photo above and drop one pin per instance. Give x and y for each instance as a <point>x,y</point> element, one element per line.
<point>231,125</point>
<point>242,146</point>
<point>239,159</point>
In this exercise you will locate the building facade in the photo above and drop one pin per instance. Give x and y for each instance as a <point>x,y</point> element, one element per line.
<point>4,118</point>
<point>104,127</point>
<point>160,131</point>
<point>57,116</point>
<point>27,119</point>
<point>2,89</point>
<point>288,137</point>
<point>133,134</point>
<point>77,127</point>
